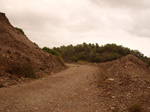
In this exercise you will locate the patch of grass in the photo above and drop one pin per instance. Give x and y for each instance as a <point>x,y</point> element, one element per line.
<point>135,108</point>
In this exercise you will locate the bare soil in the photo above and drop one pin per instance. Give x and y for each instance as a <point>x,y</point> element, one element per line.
<point>71,90</point>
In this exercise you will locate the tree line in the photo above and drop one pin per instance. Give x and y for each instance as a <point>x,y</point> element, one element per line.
<point>93,52</point>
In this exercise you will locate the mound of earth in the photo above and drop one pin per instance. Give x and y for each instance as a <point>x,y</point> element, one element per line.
<point>16,50</point>
<point>124,84</point>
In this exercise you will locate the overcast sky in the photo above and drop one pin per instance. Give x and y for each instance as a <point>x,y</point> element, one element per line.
<point>55,23</point>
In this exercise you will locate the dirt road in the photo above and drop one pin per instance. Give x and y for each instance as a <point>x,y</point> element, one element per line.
<point>71,90</point>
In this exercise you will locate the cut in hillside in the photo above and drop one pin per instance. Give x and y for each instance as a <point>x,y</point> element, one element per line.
<point>125,85</point>
<point>19,57</point>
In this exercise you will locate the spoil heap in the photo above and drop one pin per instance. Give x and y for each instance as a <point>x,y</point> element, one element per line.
<point>124,85</point>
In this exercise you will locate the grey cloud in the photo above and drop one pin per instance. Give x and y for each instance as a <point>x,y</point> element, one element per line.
<point>137,10</point>
<point>84,24</point>
<point>141,25</point>
<point>37,21</point>
<point>62,22</point>
<point>131,4</point>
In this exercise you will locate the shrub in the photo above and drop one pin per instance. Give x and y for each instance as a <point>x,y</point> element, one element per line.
<point>20,30</point>
<point>112,56</point>
<point>96,58</point>
<point>61,61</point>
<point>137,53</point>
<point>135,108</point>
<point>23,69</point>
<point>75,59</point>
<point>35,44</point>
<point>51,51</point>
<point>148,63</point>
<point>81,56</point>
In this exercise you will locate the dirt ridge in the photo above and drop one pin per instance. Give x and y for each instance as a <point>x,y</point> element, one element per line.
<point>16,48</point>
<point>125,83</point>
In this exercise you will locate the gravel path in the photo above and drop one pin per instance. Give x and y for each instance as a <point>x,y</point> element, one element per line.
<point>71,90</point>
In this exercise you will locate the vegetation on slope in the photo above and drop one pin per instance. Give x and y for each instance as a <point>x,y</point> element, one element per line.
<point>20,30</point>
<point>53,52</point>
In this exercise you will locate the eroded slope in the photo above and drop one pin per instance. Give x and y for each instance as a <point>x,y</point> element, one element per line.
<point>17,50</point>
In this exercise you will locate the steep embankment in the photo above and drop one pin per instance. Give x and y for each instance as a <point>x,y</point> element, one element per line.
<point>18,55</point>
<point>124,84</point>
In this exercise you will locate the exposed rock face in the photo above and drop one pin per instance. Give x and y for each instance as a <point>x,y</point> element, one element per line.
<point>16,48</point>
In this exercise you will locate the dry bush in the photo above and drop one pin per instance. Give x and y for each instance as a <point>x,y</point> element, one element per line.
<point>135,108</point>
<point>22,69</point>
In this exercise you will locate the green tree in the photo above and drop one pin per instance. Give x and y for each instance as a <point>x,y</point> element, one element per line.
<point>95,53</point>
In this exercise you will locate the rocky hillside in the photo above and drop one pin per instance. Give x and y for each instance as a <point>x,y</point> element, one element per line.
<point>19,57</point>
<point>125,85</point>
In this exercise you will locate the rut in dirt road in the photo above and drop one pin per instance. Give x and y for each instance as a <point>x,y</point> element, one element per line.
<point>71,90</point>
